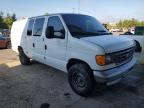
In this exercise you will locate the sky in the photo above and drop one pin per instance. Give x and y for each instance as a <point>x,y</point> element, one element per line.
<point>103,10</point>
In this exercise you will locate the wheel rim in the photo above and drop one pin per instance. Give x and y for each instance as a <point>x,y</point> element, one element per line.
<point>8,45</point>
<point>78,81</point>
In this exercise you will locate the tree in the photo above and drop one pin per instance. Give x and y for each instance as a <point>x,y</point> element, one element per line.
<point>127,24</point>
<point>107,26</point>
<point>46,13</point>
<point>14,17</point>
<point>8,21</point>
<point>1,19</point>
<point>120,25</point>
<point>2,24</point>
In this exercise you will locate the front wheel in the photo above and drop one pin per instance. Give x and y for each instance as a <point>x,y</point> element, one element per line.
<point>81,79</point>
<point>24,59</point>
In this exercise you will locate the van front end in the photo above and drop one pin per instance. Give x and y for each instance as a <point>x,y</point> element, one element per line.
<point>123,60</point>
<point>114,75</point>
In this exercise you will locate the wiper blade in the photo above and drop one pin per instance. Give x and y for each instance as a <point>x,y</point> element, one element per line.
<point>106,34</point>
<point>84,33</point>
<point>101,31</point>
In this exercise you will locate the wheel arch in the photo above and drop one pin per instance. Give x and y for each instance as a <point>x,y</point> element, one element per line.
<point>73,61</point>
<point>20,49</point>
<point>138,46</point>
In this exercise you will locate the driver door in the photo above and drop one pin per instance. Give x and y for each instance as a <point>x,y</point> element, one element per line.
<point>55,47</point>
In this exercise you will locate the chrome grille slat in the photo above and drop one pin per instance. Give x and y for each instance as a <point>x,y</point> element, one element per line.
<point>123,56</point>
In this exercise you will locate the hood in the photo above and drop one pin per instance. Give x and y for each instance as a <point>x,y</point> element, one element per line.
<point>110,43</point>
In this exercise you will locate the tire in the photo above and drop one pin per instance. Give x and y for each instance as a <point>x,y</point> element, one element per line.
<point>81,79</point>
<point>24,60</point>
<point>8,45</point>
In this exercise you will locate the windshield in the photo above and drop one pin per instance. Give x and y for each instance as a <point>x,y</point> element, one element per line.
<point>1,35</point>
<point>84,26</point>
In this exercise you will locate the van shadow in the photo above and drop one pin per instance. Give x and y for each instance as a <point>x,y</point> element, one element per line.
<point>129,84</point>
<point>2,48</point>
<point>127,93</point>
<point>24,85</point>
<point>30,86</point>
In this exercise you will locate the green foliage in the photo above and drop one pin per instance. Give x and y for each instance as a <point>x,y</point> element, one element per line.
<point>1,20</point>
<point>14,17</point>
<point>107,26</point>
<point>119,25</point>
<point>46,13</point>
<point>6,22</point>
<point>127,24</point>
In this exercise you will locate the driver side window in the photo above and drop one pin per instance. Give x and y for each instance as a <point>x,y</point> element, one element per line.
<point>57,25</point>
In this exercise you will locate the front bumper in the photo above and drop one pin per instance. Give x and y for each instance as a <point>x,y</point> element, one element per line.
<point>114,75</point>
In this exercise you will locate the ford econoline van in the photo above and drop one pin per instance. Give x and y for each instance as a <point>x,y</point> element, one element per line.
<point>76,44</point>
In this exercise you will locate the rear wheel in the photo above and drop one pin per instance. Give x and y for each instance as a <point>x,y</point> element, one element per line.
<point>23,58</point>
<point>8,45</point>
<point>81,79</point>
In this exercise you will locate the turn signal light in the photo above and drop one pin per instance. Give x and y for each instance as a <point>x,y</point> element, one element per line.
<point>101,60</point>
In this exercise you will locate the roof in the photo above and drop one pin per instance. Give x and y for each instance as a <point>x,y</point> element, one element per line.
<point>58,14</point>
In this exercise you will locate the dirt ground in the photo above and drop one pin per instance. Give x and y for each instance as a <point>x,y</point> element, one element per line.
<point>30,86</point>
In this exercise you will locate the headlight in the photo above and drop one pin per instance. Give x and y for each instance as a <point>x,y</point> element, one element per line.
<point>109,59</point>
<point>104,60</point>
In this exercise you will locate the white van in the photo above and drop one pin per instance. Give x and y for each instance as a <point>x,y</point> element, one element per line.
<point>77,44</point>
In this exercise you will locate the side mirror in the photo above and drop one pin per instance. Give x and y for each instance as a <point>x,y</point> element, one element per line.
<point>49,32</point>
<point>59,34</point>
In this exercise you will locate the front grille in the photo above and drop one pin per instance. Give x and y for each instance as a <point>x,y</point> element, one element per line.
<point>123,56</point>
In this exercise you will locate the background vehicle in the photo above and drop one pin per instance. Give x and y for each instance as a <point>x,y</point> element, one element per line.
<point>114,30</point>
<point>76,44</point>
<point>139,30</point>
<point>139,39</point>
<point>4,42</point>
<point>6,32</point>
<point>127,33</point>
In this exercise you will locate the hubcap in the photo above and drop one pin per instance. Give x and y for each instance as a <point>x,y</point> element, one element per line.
<point>78,81</point>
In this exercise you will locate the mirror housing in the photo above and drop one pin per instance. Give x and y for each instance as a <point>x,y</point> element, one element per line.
<point>50,32</point>
<point>59,34</point>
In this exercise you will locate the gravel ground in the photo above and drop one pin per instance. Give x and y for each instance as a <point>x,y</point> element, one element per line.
<point>30,86</point>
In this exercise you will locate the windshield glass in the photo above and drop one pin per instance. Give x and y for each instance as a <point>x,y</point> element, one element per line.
<point>1,35</point>
<point>84,26</point>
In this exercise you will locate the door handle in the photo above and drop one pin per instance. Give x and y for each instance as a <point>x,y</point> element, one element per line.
<point>45,47</point>
<point>33,45</point>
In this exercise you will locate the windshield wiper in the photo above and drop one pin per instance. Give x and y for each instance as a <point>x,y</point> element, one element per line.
<point>84,33</point>
<point>101,31</point>
<point>89,34</point>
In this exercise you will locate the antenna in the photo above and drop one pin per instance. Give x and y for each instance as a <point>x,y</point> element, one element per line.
<point>73,10</point>
<point>78,6</point>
